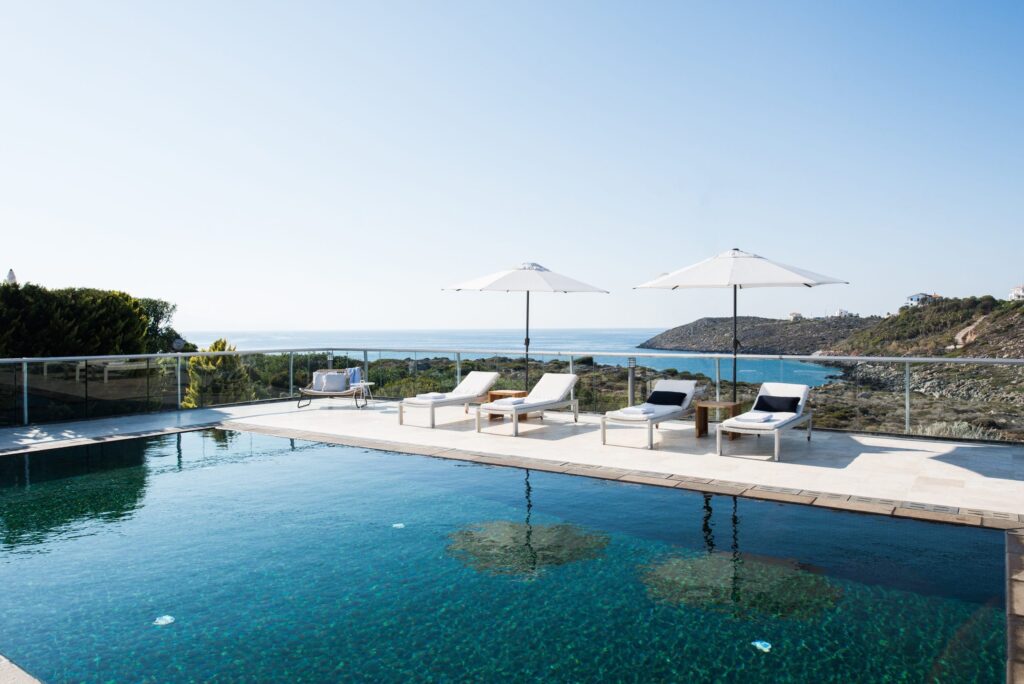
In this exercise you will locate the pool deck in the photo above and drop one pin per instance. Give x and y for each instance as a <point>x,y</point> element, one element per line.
<point>936,480</point>
<point>959,482</point>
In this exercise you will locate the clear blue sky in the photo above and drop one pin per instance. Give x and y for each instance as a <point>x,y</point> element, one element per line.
<point>272,165</point>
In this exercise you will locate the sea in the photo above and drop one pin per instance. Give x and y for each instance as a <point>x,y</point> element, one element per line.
<point>582,340</point>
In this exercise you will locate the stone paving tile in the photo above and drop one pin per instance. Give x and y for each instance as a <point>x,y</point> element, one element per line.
<point>648,473</point>
<point>641,479</point>
<point>687,478</point>
<point>934,508</point>
<point>1015,598</point>
<point>1015,542</point>
<point>858,506</point>
<point>937,516</point>
<point>777,494</point>
<point>726,487</point>
<point>824,496</point>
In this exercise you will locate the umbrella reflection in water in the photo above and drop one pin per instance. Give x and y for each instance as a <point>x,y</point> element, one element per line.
<point>526,550</point>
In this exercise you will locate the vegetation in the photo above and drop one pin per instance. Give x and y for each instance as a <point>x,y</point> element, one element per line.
<point>217,379</point>
<point>926,330</point>
<point>36,321</point>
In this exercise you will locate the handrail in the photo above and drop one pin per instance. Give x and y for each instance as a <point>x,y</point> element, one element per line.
<point>813,358</point>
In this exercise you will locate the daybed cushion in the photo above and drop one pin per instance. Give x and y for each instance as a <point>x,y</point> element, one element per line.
<point>776,421</point>
<point>475,384</point>
<point>658,412</point>
<point>335,382</point>
<point>551,387</point>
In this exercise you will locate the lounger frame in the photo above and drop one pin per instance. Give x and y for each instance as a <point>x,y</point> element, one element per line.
<point>433,405</point>
<point>649,423</point>
<point>806,417</point>
<point>517,410</point>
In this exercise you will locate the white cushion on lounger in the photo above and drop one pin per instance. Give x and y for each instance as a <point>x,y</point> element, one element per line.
<point>777,420</point>
<point>475,384</point>
<point>510,401</point>
<point>754,417</point>
<point>551,387</point>
<point>431,395</point>
<point>656,411</point>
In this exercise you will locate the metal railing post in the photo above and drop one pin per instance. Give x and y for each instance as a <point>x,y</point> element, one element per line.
<point>458,367</point>
<point>291,374</point>
<point>906,398</point>
<point>24,392</point>
<point>177,380</point>
<point>718,379</point>
<point>631,390</point>
<point>572,392</point>
<point>366,366</point>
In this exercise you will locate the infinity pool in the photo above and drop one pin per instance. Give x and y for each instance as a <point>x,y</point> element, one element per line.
<point>282,560</point>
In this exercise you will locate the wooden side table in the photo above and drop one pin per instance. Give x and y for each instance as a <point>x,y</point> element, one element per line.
<point>494,395</point>
<point>733,407</point>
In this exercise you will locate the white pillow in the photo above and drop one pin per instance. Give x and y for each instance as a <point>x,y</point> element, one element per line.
<point>335,382</point>
<point>318,379</point>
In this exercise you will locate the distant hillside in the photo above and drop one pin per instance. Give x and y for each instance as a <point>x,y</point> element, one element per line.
<point>973,326</point>
<point>761,335</point>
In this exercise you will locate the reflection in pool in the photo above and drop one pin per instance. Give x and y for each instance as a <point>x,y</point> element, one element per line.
<point>283,560</point>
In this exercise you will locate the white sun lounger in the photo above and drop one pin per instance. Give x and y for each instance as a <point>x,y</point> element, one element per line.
<point>473,389</point>
<point>551,392</point>
<point>651,415</point>
<point>773,423</point>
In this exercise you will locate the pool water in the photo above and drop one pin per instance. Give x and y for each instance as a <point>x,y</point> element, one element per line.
<point>282,560</point>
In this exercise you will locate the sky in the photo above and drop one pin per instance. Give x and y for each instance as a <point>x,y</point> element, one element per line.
<point>283,166</point>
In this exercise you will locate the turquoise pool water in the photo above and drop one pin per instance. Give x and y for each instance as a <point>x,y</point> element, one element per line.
<point>293,561</point>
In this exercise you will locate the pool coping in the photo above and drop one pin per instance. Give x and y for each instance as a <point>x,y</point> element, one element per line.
<point>12,674</point>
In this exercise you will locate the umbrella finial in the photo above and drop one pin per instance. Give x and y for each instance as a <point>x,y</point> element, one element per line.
<point>531,266</point>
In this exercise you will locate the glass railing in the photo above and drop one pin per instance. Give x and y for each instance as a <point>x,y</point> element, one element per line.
<point>957,398</point>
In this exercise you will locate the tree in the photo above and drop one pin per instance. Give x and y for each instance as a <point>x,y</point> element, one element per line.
<point>160,336</point>
<point>35,321</point>
<point>217,379</point>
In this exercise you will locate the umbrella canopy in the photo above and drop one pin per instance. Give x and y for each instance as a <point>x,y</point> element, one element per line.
<point>528,277</point>
<point>738,269</point>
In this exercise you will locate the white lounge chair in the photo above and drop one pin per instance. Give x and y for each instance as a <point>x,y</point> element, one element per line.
<point>761,420</point>
<point>473,389</point>
<point>551,392</point>
<point>651,415</point>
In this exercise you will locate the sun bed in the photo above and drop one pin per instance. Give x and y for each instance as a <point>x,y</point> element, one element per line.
<point>473,389</point>
<point>654,411</point>
<point>335,384</point>
<point>766,416</point>
<point>551,392</point>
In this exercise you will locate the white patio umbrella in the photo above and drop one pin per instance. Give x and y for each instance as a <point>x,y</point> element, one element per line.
<point>528,277</point>
<point>738,269</point>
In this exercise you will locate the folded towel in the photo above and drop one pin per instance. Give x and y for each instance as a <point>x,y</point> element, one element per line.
<point>431,395</point>
<point>639,410</point>
<point>511,401</point>
<point>754,418</point>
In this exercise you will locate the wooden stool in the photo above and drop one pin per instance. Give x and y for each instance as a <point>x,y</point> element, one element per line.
<point>733,407</point>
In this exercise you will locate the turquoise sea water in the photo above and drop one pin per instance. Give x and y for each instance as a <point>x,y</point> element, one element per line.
<point>624,340</point>
<point>290,561</point>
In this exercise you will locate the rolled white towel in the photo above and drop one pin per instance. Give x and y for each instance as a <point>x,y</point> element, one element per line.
<point>511,401</point>
<point>431,395</point>
<point>754,417</point>
<point>643,410</point>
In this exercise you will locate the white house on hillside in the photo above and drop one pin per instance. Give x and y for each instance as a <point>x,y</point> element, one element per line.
<point>1017,294</point>
<point>843,313</point>
<point>921,298</point>
<point>796,316</point>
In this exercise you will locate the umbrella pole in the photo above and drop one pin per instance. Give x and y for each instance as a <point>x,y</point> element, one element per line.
<point>526,343</point>
<point>735,341</point>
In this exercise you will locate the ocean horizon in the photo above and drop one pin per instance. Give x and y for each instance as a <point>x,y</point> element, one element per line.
<point>584,340</point>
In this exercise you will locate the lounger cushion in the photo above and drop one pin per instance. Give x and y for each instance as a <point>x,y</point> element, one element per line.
<point>776,421</point>
<point>777,404</point>
<point>552,387</point>
<point>658,412</point>
<point>664,398</point>
<point>335,382</point>
<point>475,384</point>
